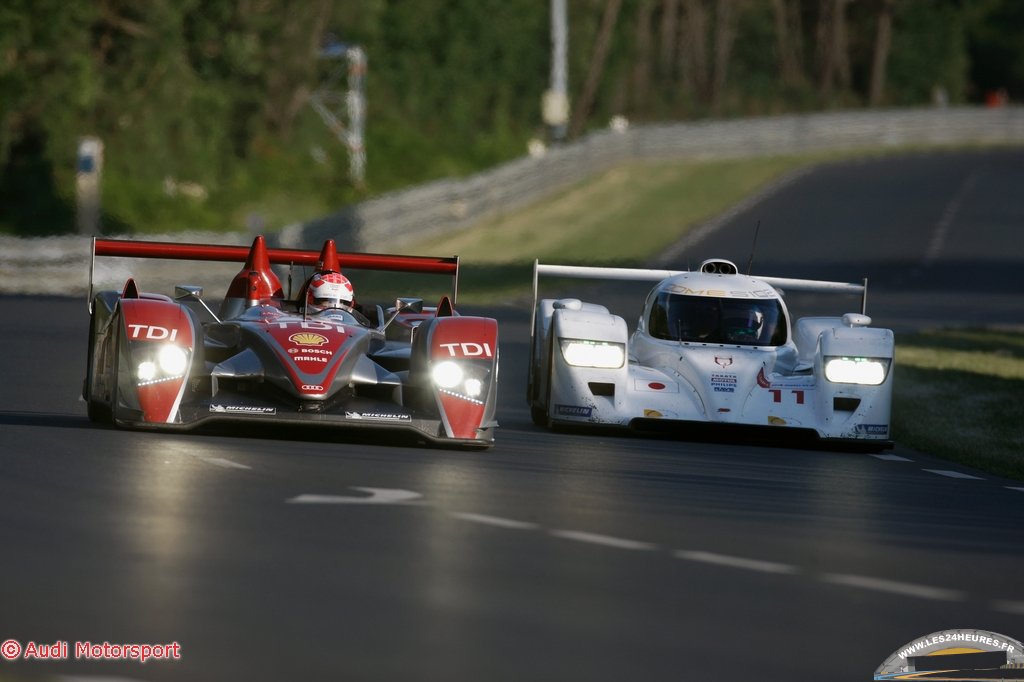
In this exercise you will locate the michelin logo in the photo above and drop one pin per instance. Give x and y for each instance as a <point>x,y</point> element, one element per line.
<point>379,416</point>
<point>242,409</point>
<point>573,411</point>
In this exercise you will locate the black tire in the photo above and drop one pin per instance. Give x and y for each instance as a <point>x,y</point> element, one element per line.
<point>97,411</point>
<point>538,416</point>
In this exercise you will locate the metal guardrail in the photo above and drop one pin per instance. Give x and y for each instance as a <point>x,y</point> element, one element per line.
<point>398,219</point>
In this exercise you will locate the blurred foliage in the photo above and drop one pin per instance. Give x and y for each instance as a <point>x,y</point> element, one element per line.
<point>203,105</point>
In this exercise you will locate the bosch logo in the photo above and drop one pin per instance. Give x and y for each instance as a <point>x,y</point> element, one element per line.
<point>468,350</point>
<point>151,333</point>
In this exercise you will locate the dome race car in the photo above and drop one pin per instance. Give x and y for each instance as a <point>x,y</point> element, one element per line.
<point>316,358</point>
<point>712,348</point>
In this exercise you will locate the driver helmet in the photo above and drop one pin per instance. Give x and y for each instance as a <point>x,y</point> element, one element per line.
<point>747,327</point>
<point>329,290</point>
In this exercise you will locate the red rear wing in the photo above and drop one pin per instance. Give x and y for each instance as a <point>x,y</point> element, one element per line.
<point>228,254</point>
<point>216,252</point>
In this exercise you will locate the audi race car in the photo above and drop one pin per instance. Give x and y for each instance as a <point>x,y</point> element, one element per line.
<point>712,347</point>
<point>315,358</point>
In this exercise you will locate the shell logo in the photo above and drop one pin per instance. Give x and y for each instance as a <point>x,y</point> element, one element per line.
<point>308,339</point>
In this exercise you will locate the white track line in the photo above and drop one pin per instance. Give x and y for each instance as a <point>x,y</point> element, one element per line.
<point>893,458</point>
<point>494,521</point>
<point>938,239</point>
<point>223,463</point>
<point>1016,607</point>
<point>605,540</point>
<point>736,562</point>
<point>893,587</point>
<point>953,474</point>
<point>377,496</point>
<point>90,678</point>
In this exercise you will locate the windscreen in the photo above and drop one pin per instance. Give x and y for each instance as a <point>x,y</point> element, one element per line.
<point>709,319</point>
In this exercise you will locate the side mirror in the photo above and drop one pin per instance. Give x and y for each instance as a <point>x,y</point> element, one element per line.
<point>410,305</point>
<point>403,305</point>
<point>856,320</point>
<point>189,292</point>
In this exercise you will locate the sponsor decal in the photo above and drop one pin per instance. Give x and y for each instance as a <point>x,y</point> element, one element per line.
<point>379,416</point>
<point>321,351</point>
<point>653,414</point>
<point>146,332</point>
<point>873,429</point>
<point>723,383</point>
<point>760,293</point>
<point>317,388</point>
<point>308,339</point>
<point>310,325</point>
<point>723,361</point>
<point>956,655</point>
<point>651,386</point>
<point>573,410</point>
<point>468,350</point>
<point>242,409</point>
<point>776,421</point>
<point>311,358</point>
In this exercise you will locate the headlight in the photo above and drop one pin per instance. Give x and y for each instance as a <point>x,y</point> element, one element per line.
<point>147,371</point>
<point>603,354</point>
<point>446,374</point>
<point>864,371</point>
<point>474,387</point>
<point>170,362</point>
<point>173,360</point>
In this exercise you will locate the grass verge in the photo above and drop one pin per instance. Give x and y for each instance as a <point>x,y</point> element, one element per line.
<point>957,395</point>
<point>626,215</point>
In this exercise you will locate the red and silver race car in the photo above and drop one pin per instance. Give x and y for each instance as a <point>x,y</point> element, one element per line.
<point>316,358</point>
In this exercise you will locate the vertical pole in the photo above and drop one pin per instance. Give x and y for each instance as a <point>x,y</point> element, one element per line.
<point>556,99</point>
<point>87,185</point>
<point>355,101</point>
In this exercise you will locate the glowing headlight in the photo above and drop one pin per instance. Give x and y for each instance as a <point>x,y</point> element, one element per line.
<point>865,371</point>
<point>173,360</point>
<point>579,353</point>
<point>147,371</point>
<point>446,374</point>
<point>474,387</point>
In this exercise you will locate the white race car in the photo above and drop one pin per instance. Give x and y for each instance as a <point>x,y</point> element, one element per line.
<point>712,346</point>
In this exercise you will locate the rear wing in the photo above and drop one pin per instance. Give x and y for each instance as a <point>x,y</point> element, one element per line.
<point>649,275</point>
<point>228,254</point>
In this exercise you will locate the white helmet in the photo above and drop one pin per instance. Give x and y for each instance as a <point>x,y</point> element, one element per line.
<point>329,290</point>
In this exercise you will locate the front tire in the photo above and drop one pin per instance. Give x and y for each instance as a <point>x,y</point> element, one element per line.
<point>97,411</point>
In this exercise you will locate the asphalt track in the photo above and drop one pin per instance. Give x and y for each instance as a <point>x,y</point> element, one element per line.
<point>565,556</point>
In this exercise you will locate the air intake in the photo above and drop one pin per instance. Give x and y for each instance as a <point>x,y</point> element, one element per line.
<point>719,267</point>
